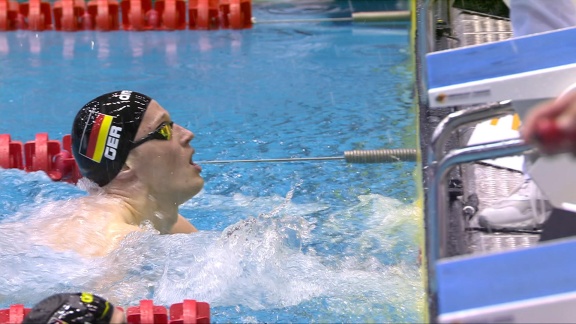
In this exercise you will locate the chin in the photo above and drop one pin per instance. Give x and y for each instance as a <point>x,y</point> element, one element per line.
<point>198,188</point>
<point>193,189</point>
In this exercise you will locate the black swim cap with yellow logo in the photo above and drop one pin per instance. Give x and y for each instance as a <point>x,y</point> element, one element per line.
<point>71,308</point>
<point>103,132</point>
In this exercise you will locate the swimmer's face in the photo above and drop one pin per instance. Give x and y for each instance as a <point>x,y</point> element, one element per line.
<point>118,317</point>
<point>166,165</point>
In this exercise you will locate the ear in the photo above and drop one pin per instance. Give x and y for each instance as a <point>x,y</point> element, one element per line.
<point>127,171</point>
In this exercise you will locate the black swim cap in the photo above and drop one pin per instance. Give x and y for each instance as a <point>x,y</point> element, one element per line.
<point>103,132</point>
<point>71,308</point>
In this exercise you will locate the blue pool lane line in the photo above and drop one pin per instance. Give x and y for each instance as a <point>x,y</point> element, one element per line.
<point>491,279</point>
<point>497,59</point>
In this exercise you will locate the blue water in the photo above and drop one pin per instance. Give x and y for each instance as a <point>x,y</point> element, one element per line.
<point>279,242</point>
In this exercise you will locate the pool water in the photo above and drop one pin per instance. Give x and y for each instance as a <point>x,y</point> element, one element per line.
<point>280,242</point>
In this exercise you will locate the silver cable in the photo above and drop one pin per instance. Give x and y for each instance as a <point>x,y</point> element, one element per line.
<point>356,156</point>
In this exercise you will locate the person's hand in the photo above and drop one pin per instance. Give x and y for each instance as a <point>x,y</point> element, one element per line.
<point>551,126</point>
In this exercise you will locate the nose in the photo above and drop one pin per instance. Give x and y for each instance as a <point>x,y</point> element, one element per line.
<point>186,135</point>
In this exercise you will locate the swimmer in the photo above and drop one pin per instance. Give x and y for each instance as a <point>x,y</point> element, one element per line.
<point>74,308</point>
<point>140,163</point>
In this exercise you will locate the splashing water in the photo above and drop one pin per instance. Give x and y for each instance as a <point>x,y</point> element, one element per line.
<point>295,262</point>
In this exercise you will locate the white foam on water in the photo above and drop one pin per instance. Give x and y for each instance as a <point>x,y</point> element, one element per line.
<point>278,255</point>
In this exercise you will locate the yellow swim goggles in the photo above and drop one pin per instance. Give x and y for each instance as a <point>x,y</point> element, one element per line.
<point>163,132</point>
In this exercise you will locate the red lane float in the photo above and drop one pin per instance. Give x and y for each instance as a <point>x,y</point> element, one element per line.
<point>69,15</point>
<point>65,163</point>
<point>203,14</point>
<point>10,153</point>
<point>42,154</point>
<point>104,15</point>
<point>187,312</point>
<point>37,15</point>
<point>14,314</point>
<point>235,14</point>
<point>147,313</point>
<point>190,311</point>
<point>136,15</point>
<point>172,14</point>
<point>9,11</point>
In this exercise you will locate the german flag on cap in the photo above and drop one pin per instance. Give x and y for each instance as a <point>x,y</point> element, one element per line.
<point>94,137</point>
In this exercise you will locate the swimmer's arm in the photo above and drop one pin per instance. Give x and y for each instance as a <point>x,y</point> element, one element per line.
<point>183,226</point>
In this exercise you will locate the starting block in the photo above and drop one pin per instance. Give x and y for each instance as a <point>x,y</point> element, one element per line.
<point>530,285</point>
<point>526,70</point>
<point>527,285</point>
<point>538,66</point>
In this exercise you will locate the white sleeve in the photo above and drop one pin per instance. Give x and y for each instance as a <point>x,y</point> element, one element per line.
<point>536,16</point>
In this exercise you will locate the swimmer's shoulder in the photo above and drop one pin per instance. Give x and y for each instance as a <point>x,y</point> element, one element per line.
<point>103,215</point>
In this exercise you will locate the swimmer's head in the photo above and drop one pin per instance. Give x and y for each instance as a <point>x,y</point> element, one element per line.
<point>104,131</point>
<point>71,308</point>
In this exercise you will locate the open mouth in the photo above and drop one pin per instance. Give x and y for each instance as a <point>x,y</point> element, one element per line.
<point>196,166</point>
